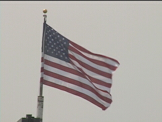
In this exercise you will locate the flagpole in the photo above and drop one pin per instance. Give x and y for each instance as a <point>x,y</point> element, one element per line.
<point>41,97</point>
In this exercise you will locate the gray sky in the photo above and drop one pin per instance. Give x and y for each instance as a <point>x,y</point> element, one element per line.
<point>130,32</point>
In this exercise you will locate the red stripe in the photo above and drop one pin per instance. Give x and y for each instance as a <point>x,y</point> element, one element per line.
<point>92,60</point>
<point>41,80</point>
<point>42,59</point>
<point>87,51</point>
<point>75,93</point>
<point>91,68</point>
<point>75,82</point>
<point>42,69</point>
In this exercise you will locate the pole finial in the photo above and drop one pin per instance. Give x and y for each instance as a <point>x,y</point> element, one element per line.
<point>44,11</point>
<point>45,16</point>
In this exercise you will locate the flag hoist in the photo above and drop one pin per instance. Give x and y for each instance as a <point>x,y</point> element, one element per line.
<point>40,97</point>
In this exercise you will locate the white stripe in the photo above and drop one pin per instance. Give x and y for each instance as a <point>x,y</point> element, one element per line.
<point>58,61</point>
<point>76,88</point>
<point>92,74</point>
<point>96,66</point>
<point>104,88</point>
<point>75,77</point>
<point>99,58</point>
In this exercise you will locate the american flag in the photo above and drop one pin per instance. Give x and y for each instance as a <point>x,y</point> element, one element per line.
<point>72,68</point>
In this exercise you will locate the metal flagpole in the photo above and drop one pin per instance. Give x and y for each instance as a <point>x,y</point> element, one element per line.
<point>40,97</point>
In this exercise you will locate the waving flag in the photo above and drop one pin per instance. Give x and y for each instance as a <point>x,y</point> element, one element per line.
<point>72,68</point>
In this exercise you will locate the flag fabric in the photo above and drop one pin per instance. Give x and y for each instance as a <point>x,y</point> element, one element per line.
<point>70,67</point>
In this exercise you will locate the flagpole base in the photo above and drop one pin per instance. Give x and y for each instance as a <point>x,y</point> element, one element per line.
<point>40,107</point>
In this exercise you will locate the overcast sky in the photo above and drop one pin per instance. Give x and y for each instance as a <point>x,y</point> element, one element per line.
<point>130,32</point>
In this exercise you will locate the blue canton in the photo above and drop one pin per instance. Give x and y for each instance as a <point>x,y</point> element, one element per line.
<point>55,44</point>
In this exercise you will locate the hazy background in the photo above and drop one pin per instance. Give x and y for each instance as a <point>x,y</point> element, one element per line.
<point>130,32</point>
